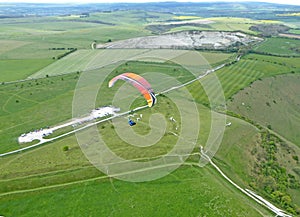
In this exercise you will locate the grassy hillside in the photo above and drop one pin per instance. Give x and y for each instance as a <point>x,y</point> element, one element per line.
<point>23,106</point>
<point>187,191</point>
<point>20,100</point>
<point>237,76</point>
<point>50,174</point>
<point>267,103</point>
<point>233,78</point>
<point>17,69</point>
<point>277,108</point>
<point>34,170</point>
<point>280,46</point>
<point>219,23</point>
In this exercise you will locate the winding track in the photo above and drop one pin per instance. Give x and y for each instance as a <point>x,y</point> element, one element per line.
<point>247,192</point>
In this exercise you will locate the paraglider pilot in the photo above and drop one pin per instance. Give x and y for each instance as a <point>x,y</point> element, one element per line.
<point>131,122</point>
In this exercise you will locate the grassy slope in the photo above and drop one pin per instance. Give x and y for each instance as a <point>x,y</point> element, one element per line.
<point>234,155</point>
<point>23,107</point>
<point>34,169</point>
<point>235,78</point>
<point>224,24</point>
<point>280,46</point>
<point>279,97</point>
<point>29,97</point>
<point>188,191</point>
<point>274,91</point>
<point>252,67</point>
<point>18,170</point>
<point>83,60</point>
<point>20,69</point>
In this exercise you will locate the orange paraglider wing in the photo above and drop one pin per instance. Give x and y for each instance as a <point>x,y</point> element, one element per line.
<point>140,83</point>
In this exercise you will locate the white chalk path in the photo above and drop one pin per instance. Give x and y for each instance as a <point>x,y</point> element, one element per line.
<point>248,192</point>
<point>43,140</point>
<point>41,133</point>
<point>195,79</point>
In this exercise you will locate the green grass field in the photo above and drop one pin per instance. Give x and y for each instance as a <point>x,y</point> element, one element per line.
<point>236,77</point>
<point>20,69</point>
<point>188,191</point>
<point>279,97</point>
<point>83,60</point>
<point>47,171</point>
<point>295,31</point>
<point>280,46</point>
<point>234,155</point>
<point>30,97</point>
<point>23,106</point>
<point>19,100</point>
<point>70,171</point>
<point>233,24</point>
<point>221,24</point>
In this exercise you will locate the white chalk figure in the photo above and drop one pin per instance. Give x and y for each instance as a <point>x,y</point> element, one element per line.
<point>141,115</point>
<point>228,124</point>
<point>138,119</point>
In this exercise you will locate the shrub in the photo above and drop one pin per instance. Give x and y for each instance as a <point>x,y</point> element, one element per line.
<point>66,148</point>
<point>296,158</point>
<point>269,126</point>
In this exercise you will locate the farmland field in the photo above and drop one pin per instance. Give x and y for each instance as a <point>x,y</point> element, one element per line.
<point>84,60</point>
<point>210,24</point>
<point>280,46</point>
<point>15,69</point>
<point>7,45</point>
<point>252,67</point>
<point>295,31</point>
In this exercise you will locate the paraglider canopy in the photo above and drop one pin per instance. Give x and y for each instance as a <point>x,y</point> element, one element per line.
<point>140,83</point>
